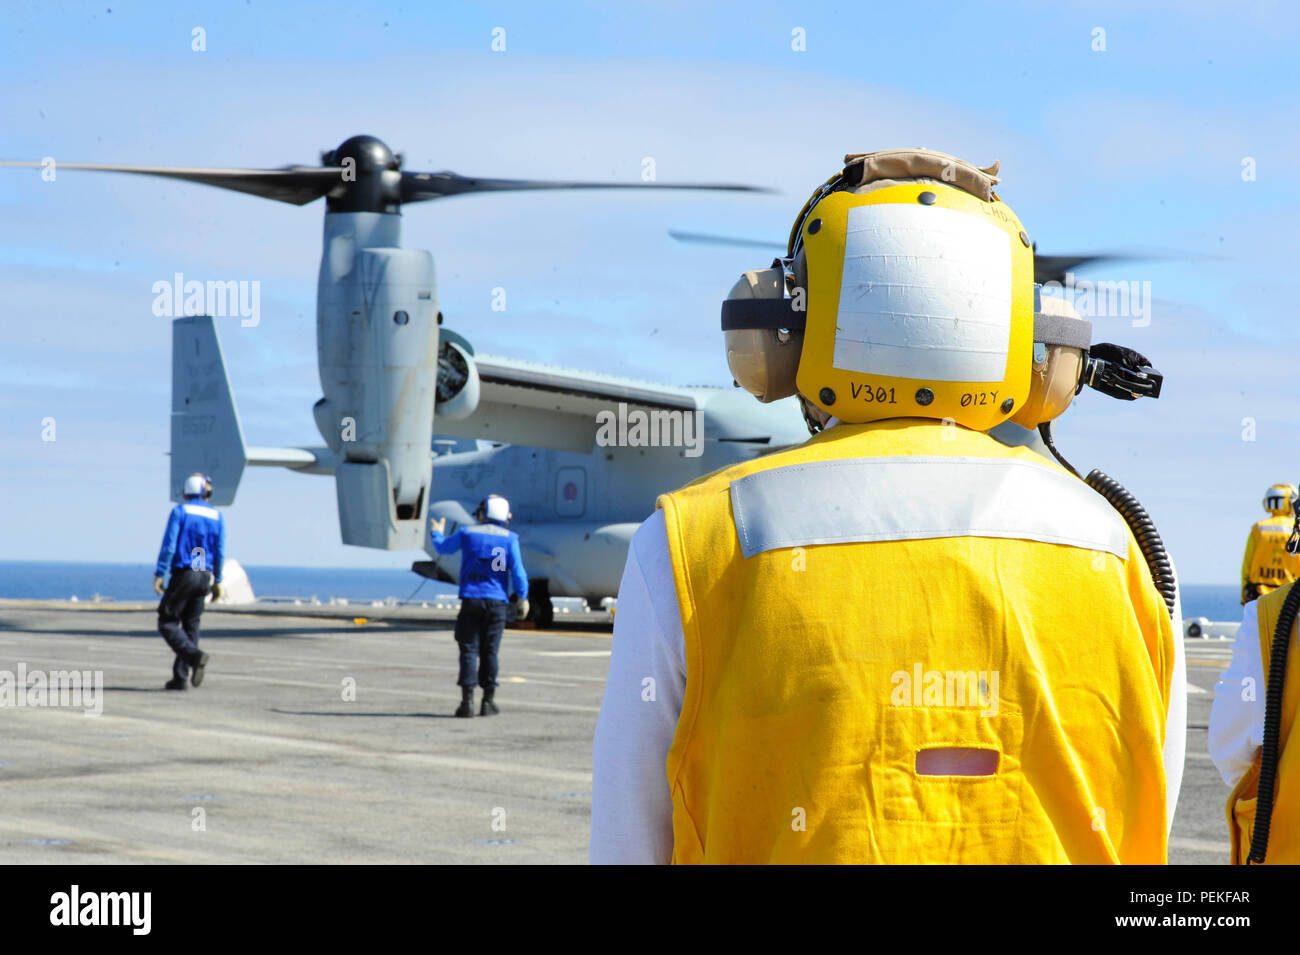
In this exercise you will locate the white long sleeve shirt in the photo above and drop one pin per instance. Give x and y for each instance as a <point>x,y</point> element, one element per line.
<point>631,807</point>
<point>1237,714</point>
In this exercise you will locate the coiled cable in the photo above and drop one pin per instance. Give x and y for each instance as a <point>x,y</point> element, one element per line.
<point>1135,515</point>
<point>1144,530</point>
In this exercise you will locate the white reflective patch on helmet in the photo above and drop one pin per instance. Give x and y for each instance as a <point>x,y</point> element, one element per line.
<point>925,293</point>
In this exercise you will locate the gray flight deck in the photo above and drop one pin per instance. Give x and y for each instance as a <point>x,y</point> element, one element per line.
<point>268,762</point>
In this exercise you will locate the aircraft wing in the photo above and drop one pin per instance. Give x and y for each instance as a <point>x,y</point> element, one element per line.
<point>543,406</point>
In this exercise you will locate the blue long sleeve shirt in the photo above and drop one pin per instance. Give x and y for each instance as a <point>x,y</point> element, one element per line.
<point>491,566</point>
<point>195,538</point>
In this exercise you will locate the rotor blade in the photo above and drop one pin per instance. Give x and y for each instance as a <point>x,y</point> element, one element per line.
<point>1046,267</point>
<point>294,184</point>
<point>1052,268</point>
<point>419,186</point>
<point>724,240</point>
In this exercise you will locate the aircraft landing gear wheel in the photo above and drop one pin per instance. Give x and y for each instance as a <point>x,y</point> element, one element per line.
<point>540,610</point>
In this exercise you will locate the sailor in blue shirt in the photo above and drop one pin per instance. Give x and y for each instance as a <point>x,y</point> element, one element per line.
<point>193,549</point>
<point>491,568</point>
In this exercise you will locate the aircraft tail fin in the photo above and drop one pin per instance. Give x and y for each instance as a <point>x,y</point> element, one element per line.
<point>206,433</point>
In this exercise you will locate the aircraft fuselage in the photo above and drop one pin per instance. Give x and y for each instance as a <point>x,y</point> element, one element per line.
<point>575,513</point>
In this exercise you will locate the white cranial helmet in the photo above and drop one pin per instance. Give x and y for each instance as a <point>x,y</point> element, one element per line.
<point>496,508</point>
<point>197,484</point>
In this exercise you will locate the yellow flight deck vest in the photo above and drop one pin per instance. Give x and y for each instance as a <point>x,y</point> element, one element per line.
<point>1267,564</point>
<point>1284,827</point>
<point>867,608</point>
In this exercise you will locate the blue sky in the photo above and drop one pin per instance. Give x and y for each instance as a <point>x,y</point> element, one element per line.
<point>1138,147</point>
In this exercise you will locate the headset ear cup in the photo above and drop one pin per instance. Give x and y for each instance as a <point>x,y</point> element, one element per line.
<point>762,360</point>
<point>1054,380</point>
<point>1051,387</point>
<point>761,363</point>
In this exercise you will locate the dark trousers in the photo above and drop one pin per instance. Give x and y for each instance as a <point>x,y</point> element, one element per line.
<point>478,632</point>
<point>178,616</point>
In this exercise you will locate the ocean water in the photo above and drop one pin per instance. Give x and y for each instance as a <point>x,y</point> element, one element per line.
<point>1218,602</point>
<point>34,580</point>
<point>39,580</point>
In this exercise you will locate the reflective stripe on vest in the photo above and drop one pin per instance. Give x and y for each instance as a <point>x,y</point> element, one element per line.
<point>801,505</point>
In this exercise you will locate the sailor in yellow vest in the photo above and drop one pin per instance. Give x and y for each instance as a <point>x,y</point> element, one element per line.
<point>1249,753</point>
<point>902,641</point>
<point>1267,565</point>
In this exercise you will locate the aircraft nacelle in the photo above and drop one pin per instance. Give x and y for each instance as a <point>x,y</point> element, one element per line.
<point>458,381</point>
<point>377,344</point>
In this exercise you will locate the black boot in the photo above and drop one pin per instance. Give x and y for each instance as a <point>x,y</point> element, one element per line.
<point>466,707</point>
<point>488,708</point>
<point>196,669</point>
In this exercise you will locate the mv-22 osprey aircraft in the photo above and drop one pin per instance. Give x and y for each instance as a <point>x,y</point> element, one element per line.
<point>575,501</point>
<point>386,374</point>
<point>388,371</point>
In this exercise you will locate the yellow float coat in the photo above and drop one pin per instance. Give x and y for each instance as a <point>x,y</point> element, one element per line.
<point>816,674</point>
<point>1284,826</point>
<point>1266,564</point>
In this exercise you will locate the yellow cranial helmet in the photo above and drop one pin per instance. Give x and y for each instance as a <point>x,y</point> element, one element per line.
<point>1278,498</point>
<point>920,303</point>
<point>911,295</point>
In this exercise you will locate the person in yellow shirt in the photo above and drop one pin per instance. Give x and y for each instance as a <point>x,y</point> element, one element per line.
<point>1267,565</point>
<point>903,641</point>
<point>1256,702</point>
